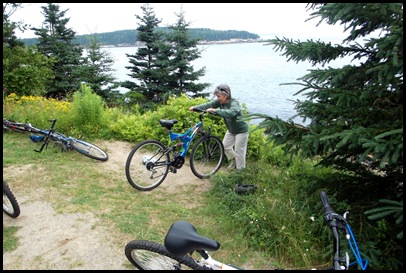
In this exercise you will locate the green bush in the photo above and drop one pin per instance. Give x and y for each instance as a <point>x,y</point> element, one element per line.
<point>88,112</point>
<point>138,127</point>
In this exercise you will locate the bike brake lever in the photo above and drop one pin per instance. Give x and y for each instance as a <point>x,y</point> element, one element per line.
<point>213,113</point>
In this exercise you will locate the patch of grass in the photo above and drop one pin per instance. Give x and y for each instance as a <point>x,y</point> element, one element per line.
<point>10,241</point>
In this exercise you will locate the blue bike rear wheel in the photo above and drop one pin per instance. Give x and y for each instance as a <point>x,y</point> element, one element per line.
<point>147,165</point>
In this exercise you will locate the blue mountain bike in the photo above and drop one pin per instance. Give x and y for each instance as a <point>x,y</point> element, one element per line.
<point>67,143</point>
<point>150,161</point>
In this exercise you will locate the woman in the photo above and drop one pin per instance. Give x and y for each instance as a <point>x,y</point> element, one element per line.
<point>236,138</point>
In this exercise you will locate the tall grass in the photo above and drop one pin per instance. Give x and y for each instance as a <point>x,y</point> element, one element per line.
<point>283,218</point>
<point>88,114</point>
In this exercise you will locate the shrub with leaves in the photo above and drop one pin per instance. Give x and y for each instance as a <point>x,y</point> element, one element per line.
<point>88,111</point>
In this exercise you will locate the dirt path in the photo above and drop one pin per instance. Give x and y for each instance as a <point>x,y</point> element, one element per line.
<point>73,241</point>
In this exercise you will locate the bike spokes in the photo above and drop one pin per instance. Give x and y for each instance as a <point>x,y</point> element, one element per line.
<point>147,165</point>
<point>207,156</point>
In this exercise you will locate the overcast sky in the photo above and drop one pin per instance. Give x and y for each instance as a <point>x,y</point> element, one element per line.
<point>267,20</point>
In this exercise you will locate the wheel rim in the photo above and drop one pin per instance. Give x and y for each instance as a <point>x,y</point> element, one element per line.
<point>7,206</point>
<point>207,158</point>
<point>148,166</point>
<point>89,150</point>
<point>148,260</point>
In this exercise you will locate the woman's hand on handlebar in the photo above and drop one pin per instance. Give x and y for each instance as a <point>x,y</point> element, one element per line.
<point>209,110</point>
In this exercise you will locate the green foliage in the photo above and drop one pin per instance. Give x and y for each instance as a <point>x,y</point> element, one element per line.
<point>25,71</point>
<point>97,70</point>
<point>55,39</point>
<point>9,38</point>
<point>38,111</point>
<point>88,111</point>
<point>130,128</point>
<point>385,250</point>
<point>393,208</point>
<point>284,218</point>
<point>356,115</point>
<point>183,51</point>
<point>270,153</point>
<point>278,217</point>
<point>148,64</point>
<point>355,111</point>
<point>137,127</point>
<point>162,67</point>
<point>256,144</point>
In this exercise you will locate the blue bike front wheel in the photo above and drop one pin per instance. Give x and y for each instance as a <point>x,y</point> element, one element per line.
<point>88,149</point>
<point>207,156</point>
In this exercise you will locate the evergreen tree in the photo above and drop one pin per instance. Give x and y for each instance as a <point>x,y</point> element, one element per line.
<point>355,112</point>
<point>183,52</point>
<point>356,116</point>
<point>97,70</point>
<point>56,40</point>
<point>162,65</point>
<point>150,73</point>
<point>9,38</point>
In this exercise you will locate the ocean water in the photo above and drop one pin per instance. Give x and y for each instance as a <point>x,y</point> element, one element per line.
<point>254,72</point>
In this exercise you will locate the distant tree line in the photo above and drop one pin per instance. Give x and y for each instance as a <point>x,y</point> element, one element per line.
<point>130,36</point>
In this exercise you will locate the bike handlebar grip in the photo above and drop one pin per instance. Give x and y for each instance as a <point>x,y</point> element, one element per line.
<point>198,110</point>
<point>53,122</point>
<point>204,111</point>
<point>326,203</point>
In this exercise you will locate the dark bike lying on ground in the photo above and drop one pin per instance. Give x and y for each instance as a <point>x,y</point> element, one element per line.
<point>10,204</point>
<point>67,143</point>
<point>149,162</point>
<point>182,241</point>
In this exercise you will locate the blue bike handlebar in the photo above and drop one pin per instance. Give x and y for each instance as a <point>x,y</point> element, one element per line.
<point>203,111</point>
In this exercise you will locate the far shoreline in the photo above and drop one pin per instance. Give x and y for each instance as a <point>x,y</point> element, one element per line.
<point>231,41</point>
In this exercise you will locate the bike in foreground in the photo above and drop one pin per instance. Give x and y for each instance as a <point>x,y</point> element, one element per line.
<point>182,241</point>
<point>150,161</point>
<point>10,204</point>
<point>66,143</point>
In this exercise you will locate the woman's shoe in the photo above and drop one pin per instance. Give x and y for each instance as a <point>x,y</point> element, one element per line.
<point>245,188</point>
<point>232,165</point>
